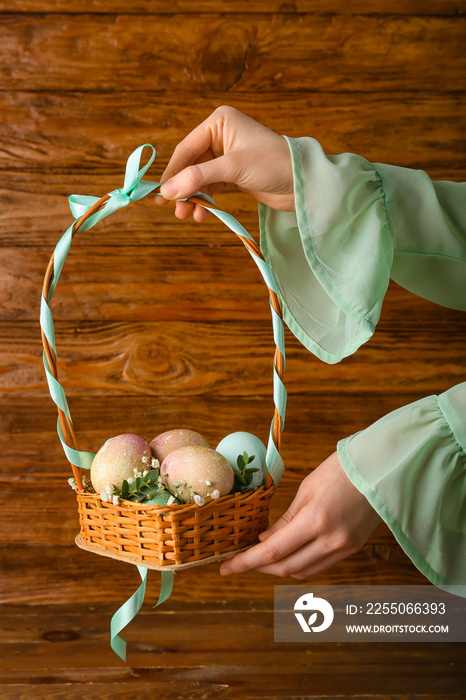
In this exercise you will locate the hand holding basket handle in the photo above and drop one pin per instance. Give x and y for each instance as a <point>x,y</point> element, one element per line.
<point>229,147</point>
<point>329,518</point>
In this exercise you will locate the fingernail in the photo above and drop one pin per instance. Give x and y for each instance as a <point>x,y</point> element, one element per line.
<point>224,571</point>
<point>159,199</point>
<point>169,189</point>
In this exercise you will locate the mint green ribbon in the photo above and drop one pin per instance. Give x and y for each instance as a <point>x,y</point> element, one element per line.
<point>130,609</point>
<point>135,188</point>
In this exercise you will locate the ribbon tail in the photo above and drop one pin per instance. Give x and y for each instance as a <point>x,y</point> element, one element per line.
<point>130,609</point>
<point>125,614</point>
<point>166,586</point>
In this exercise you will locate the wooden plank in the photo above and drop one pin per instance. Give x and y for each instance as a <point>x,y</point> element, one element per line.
<point>163,658</point>
<point>226,359</point>
<point>234,53</point>
<point>56,518</point>
<point>314,424</point>
<point>379,7</point>
<point>58,574</point>
<point>184,283</point>
<point>39,131</point>
<point>112,282</point>
<point>36,213</point>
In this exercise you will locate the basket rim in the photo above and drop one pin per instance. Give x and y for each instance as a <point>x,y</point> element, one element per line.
<point>125,504</point>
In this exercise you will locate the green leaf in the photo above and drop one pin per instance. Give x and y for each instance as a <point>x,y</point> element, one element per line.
<point>251,470</point>
<point>240,462</point>
<point>251,459</point>
<point>240,480</point>
<point>245,457</point>
<point>124,489</point>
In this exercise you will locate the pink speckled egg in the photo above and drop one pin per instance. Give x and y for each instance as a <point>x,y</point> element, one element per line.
<point>196,470</point>
<point>116,460</point>
<point>171,440</point>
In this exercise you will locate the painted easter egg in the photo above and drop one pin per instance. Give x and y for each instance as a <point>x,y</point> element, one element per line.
<point>171,440</point>
<point>196,471</point>
<point>117,459</point>
<point>235,444</point>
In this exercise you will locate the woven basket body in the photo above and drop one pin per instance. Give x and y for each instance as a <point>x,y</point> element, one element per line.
<point>154,536</point>
<point>161,537</point>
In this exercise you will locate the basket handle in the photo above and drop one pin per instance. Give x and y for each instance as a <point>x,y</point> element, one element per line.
<point>89,211</point>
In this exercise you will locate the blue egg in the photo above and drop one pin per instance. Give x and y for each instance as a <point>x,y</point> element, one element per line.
<point>235,444</point>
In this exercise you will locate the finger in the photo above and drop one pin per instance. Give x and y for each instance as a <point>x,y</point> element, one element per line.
<point>160,201</point>
<point>200,214</point>
<point>325,562</point>
<point>277,547</point>
<point>313,557</point>
<point>202,139</point>
<point>284,519</point>
<point>183,210</point>
<point>196,177</point>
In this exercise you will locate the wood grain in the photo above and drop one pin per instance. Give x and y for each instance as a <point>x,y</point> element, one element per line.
<point>163,324</point>
<point>232,53</point>
<point>39,130</point>
<point>226,358</point>
<point>146,7</point>
<point>161,667</point>
<point>31,450</point>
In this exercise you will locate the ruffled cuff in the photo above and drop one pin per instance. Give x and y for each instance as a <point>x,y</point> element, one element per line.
<point>332,258</point>
<point>411,467</point>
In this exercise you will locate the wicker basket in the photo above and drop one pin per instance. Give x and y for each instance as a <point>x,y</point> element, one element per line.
<point>154,536</point>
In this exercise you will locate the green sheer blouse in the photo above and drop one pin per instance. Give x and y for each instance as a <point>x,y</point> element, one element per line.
<point>358,224</point>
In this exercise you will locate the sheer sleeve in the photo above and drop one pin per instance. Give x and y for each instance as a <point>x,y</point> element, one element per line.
<point>357,225</point>
<point>411,467</point>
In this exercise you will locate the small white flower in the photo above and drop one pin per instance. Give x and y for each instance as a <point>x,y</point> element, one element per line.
<point>154,463</point>
<point>104,496</point>
<point>177,483</point>
<point>115,500</point>
<point>72,483</point>
<point>131,482</point>
<point>199,499</point>
<point>145,460</point>
<point>215,493</point>
<point>208,483</point>
<point>109,488</point>
<point>171,501</point>
<point>146,471</point>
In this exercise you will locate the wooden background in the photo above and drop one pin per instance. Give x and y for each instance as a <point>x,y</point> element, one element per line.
<point>161,323</point>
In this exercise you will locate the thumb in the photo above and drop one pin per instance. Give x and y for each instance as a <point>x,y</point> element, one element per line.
<point>195,177</point>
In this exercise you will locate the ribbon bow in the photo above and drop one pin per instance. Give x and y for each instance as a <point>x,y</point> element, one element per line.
<point>134,188</point>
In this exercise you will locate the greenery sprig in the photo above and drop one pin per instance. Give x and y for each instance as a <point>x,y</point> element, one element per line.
<point>142,487</point>
<point>243,475</point>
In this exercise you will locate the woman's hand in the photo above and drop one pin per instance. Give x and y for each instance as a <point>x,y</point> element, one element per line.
<point>328,520</point>
<point>229,147</point>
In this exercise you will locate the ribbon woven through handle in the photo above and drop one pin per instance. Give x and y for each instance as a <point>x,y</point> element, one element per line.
<point>88,211</point>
